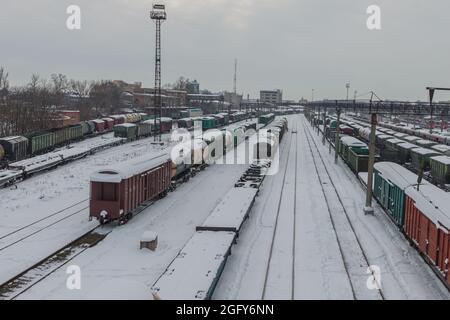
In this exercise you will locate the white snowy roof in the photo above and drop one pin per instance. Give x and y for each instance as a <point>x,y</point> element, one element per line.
<point>98,121</point>
<point>442,148</point>
<point>400,135</point>
<point>411,138</point>
<point>395,141</point>
<point>351,141</point>
<point>424,142</point>
<point>424,151</point>
<point>126,125</point>
<point>442,159</point>
<point>407,145</point>
<point>433,202</point>
<point>192,273</point>
<point>117,173</point>
<point>230,213</point>
<point>397,174</point>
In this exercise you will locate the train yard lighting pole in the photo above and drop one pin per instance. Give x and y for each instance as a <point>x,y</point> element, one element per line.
<point>158,14</point>
<point>368,209</point>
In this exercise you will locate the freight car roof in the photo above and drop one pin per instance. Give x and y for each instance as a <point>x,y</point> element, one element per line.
<point>433,202</point>
<point>424,151</point>
<point>230,213</point>
<point>351,141</point>
<point>117,173</point>
<point>192,274</point>
<point>407,145</point>
<point>442,148</point>
<point>397,174</point>
<point>14,139</point>
<point>442,159</point>
<point>126,125</point>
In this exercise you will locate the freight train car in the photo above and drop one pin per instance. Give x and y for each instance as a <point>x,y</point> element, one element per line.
<point>117,191</point>
<point>186,123</point>
<point>126,130</point>
<point>266,119</point>
<point>15,148</point>
<point>440,170</point>
<point>427,225</point>
<point>390,183</point>
<point>420,158</point>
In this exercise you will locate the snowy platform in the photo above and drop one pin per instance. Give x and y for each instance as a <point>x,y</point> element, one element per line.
<point>232,211</point>
<point>194,273</point>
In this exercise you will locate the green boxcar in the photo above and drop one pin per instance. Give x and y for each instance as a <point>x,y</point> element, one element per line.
<point>266,119</point>
<point>125,130</point>
<point>208,123</point>
<point>358,160</point>
<point>144,129</point>
<point>421,157</point>
<point>41,142</point>
<point>75,132</point>
<point>440,169</point>
<point>390,182</point>
<point>404,152</point>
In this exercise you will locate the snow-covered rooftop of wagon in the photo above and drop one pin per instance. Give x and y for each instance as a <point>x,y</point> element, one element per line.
<point>407,145</point>
<point>351,141</point>
<point>442,159</point>
<point>126,125</point>
<point>424,151</point>
<point>411,138</point>
<point>433,202</point>
<point>423,142</point>
<point>192,273</point>
<point>397,174</point>
<point>442,148</point>
<point>117,173</point>
<point>231,212</point>
<point>395,141</point>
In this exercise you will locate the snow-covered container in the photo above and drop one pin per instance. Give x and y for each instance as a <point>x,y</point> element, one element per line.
<point>194,273</point>
<point>232,211</point>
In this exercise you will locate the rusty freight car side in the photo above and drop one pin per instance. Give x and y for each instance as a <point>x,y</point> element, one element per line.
<point>117,191</point>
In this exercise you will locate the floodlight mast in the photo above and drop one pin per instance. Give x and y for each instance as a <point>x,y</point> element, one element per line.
<point>158,14</point>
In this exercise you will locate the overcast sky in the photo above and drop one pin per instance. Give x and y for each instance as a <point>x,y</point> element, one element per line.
<point>294,45</point>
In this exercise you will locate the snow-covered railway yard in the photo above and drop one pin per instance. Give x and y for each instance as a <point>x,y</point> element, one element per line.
<point>306,237</point>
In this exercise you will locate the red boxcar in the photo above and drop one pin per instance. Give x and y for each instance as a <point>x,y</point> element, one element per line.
<point>117,191</point>
<point>427,224</point>
<point>166,125</point>
<point>109,123</point>
<point>99,125</point>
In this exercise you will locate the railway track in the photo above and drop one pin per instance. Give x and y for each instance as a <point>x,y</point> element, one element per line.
<point>354,257</point>
<point>275,229</point>
<point>17,236</point>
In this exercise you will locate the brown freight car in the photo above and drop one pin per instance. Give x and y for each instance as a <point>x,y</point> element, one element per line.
<point>427,225</point>
<point>117,191</point>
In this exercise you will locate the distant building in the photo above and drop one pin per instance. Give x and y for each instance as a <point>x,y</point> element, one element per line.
<point>193,87</point>
<point>271,96</point>
<point>233,98</point>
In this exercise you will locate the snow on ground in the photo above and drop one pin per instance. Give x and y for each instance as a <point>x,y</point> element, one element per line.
<point>53,191</point>
<point>118,257</point>
<point>319,270</point>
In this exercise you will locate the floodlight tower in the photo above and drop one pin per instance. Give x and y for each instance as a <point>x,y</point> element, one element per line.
<point>158,14</point>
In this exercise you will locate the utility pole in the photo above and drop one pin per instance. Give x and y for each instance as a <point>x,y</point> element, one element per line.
<point>324,116</point>
<point>368,209</point>
<point>336,141</point>
<point>158,14</point>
